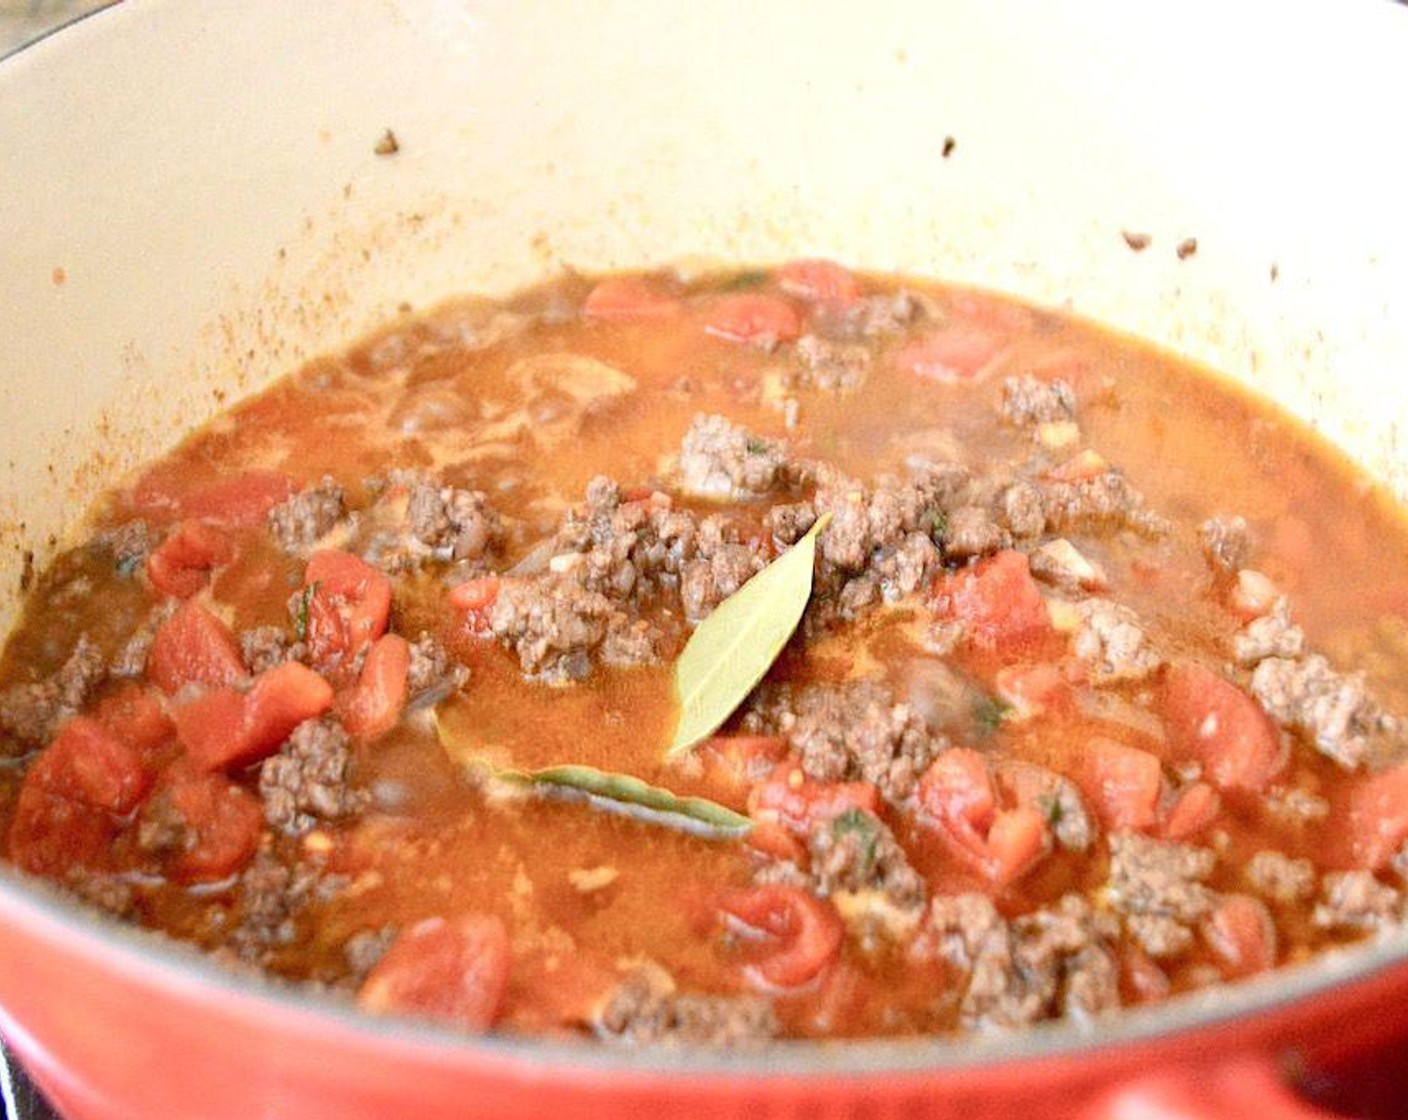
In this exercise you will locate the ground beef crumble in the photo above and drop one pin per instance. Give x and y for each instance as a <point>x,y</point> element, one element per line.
<point>1056,961</point>
<point>272,895</point>
<point>827,365</point>
<point>646,1009</point>
<point>1158,887</point>
<point>1280,878</point>
<point>432,675</point>
<point>299,523</point>
<point>1112,643</point>
<point>1333,710</point>
<point>1027,401</point>
<point>32,713</point>
<point>1357,900</point>
<point>308,780</point>
<point>1271,635</point>
<point>1226,543</point>
<point>853,731</point>
<point>722,460</point>
<point>265,647</point>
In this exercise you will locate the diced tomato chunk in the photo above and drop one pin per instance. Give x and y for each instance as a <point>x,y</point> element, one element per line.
<point>1370,819</point>
<point>1030,690</point>
<point>1122,783</point>
<point>753,317</point>
<point>627,297</point>
<point>181,566</point>
<point>222,824</point>
<point>212,727</point>
<point>244,500</point>
<point>959,795</point>
<point>453,972</point>
<point>951,353</point>
<point>958,787</point>
<point>69,803</point>
<point>138,719</point>
<point>373,705</point>
<point>1211,720</point>
<point>223,728</point>
<point>1016,840</point>
<point>1141,980</point>
<point>51,834</point>
<point>1192,813</point>
<point>193,647</point>
<point>997,601</point>
<point>773,840</point>
<point>165,491</point>
<point>820,281</point>
<point>793,800</point>
<point>1241,934</point>
<point>799,934</point>
<point>87,763</point>
<point>348,607</point>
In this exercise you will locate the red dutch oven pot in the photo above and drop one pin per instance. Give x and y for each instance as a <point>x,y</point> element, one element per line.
<point>196,197</point>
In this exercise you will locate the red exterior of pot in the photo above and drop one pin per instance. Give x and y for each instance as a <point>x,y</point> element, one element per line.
<point>113,1033</point>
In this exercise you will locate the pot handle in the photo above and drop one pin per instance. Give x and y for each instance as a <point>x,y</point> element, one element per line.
<point>1249,1086</point>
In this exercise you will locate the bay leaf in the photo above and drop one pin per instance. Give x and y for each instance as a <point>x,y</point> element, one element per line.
<point>628,794</point>
<point>733,648</point>
<point>602,789</point>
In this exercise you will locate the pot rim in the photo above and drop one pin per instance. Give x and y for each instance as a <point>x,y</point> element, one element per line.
<point>175,965</point>
<point>136,952</point>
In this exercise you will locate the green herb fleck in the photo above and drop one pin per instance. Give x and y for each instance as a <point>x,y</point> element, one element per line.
<point>1050,806</point>
<point>742,281</point>
<point>988,714</point>
<point>128,564</point>
<point>934,522</point>
<point>756,446</point>
<point>300,620</point>
<point>857,822</point>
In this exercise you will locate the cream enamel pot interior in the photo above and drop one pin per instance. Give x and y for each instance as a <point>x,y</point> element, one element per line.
<point>191,204</point>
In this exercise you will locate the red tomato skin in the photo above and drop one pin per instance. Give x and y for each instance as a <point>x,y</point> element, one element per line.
<point>244,500</point>
<point>52,835</point>
<point>803,934</point>
<point>1242,935</point>
<point>1122,783</point>
<point>453,972</point>
<point>224,821</point>
<point>960,797</point>
<point>793,800</point>
<point>952,353</point>
<point>373,705</point>
<point>87,763</point>
<point>224,729</point>
<point>1369,818</point>
<point>753,317</point>
<point>997,600</point>
<point>820,281</point>
<point>349,605</point>
<point>182,564</point>
<point>1211,720</point>
<point>193,647</point>
<point>1192,813</point>
<point>137,718</point>
<point>625,297</point>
